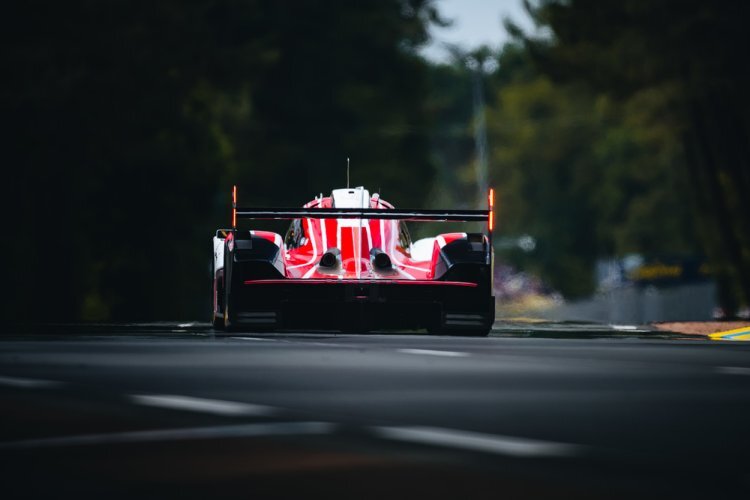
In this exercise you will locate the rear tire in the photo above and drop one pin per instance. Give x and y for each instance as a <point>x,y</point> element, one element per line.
<point>478,332</point>
<point>452,332</point>
<point>216,292</point>
<point>437,328</point>
<point>218,323</point>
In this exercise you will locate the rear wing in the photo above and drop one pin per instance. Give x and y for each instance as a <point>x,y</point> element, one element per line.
<point>364,213</point>
<point>406,214</point>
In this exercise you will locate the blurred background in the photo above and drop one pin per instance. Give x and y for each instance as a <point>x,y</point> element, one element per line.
<point>615,133</point>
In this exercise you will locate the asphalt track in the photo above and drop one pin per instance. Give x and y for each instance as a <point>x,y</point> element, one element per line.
<point>545,411</point>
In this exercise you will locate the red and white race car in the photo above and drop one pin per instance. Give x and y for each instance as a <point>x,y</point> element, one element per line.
<point>347,262</point>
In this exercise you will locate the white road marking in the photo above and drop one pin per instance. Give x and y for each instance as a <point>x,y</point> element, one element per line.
<point>216,432</point>
<point>256,338</point>
<point>475,441</point>
<point>624,328</point>
<point>185,325</point>
<point>29,383</point>
<point>214,406</point>
<point>300,342</point>
<point>733,370</point>
<point>429,352</point>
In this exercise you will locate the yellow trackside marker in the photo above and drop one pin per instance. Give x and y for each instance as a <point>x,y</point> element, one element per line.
<point>736,334</point>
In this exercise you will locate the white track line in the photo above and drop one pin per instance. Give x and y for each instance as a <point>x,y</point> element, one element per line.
<point>29,383</point>
<point>428,352</point>
<point>213,406</point>
<point>256,338</point>
<point>733,370</point>
<point>215,432</point>
<point>624,328</point>
<point>475,441</point>
<point>298,342</point>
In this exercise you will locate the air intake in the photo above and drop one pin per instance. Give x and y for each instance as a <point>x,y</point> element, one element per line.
<point>331,259</point>
<point>380,260</point>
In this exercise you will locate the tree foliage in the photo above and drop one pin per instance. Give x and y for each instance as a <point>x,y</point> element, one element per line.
<point>130,120</point>
<point>586,175</point>
<point>682,63</point>
<point>624,129</point>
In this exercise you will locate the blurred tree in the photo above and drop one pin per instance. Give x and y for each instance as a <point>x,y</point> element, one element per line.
<point>586,176</point>
<point>544,173</point>
<point>347,83</point>
<point>681,61</point>
<point>129,120</point>
<point>452,93</point>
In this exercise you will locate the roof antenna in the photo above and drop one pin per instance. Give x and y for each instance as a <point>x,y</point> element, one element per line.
<point>347,172</point>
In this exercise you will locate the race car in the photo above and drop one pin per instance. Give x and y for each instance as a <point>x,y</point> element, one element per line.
<point>347,262</point>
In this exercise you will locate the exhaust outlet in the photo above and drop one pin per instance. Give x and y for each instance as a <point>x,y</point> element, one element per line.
<point>331,259</point>
<point>380,260</point>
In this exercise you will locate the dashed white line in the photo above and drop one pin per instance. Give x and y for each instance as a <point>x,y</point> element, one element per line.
<point>29,383</point>
<point>215,432</point>
<point>214,406</point>
<point>255,338</point>
<point>297,342</point>
<point>733,370</point>
<point>185,325</point>
<point>429,352</point>
<point>624,328</point>
<point>475,441</point>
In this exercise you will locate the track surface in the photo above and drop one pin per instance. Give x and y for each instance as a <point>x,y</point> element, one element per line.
<point>167,411</point>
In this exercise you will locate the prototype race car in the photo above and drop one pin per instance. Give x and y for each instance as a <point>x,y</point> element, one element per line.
<point>347,262</point>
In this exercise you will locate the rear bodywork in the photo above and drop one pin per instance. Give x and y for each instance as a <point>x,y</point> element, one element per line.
<point>347,262</point>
